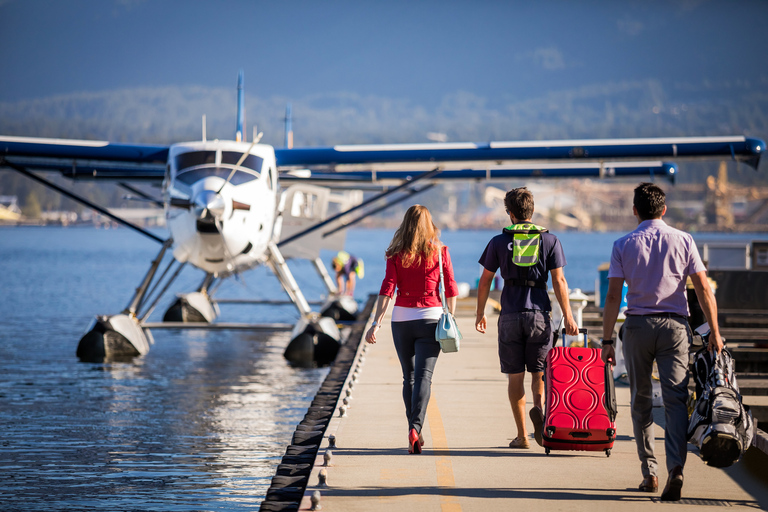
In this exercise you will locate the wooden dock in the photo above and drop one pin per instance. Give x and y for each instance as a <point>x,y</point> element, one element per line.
<point>466,464</point>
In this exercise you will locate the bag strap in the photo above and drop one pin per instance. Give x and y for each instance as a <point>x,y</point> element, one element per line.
<point>526,282</point>
<point>442,280</point>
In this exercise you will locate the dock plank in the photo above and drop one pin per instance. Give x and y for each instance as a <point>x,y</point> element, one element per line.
<point>466,464</point>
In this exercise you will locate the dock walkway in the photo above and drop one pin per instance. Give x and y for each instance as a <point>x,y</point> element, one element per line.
<point>466,464</point>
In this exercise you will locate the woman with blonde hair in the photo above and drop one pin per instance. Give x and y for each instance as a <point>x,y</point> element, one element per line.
<point>412,269</point>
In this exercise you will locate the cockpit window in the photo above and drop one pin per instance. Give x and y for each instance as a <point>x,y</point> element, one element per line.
<point>251,161</point>
<point>196,165</point>
<point>194,158</point>
<point>194,175</point>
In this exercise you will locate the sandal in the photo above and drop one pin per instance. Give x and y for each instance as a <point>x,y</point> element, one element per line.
<point>519,442</point>
<point>537,417</point>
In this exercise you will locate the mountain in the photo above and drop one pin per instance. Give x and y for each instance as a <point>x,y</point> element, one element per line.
<point>173,114</point>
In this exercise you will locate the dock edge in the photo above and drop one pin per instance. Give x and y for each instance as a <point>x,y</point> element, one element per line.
<point>292,474</point>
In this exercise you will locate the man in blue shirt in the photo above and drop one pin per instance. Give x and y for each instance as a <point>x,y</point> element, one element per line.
<point>526,254</point>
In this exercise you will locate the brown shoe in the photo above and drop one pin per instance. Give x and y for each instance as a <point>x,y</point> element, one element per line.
<point>674,486</point>
<point>649,484</point>
<point>519,442</point>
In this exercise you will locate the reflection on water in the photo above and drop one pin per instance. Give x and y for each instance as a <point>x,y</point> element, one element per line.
<point>197,424</point>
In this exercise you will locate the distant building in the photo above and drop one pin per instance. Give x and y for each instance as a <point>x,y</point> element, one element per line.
<point>65,218</point>
<point>9,209</point>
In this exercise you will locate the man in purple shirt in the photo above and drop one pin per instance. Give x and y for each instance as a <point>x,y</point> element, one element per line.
<point>655,260</point>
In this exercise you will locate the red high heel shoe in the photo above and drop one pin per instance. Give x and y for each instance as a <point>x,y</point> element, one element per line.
<point>414,445</point>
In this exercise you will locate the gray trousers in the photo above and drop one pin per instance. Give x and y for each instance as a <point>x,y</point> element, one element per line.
<point>667,341</point>
<point>417,350</point>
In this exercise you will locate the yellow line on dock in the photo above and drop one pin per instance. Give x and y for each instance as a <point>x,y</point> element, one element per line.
<point>443,463</point>
<point>467,466</point>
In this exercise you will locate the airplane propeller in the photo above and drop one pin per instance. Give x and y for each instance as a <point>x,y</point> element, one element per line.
<point>178,202</point>
<point>237,205</point>
<point>205,203</point>
<point>239,163</point>
<point>227,253</point>
<point>210,201</point>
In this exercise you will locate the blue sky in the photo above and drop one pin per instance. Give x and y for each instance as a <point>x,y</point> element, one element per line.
<point>414,50</point>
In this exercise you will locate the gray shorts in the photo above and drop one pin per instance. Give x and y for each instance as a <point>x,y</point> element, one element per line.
<point>525,337</point>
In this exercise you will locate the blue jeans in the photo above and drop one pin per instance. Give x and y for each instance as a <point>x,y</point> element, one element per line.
<point>417,350</point>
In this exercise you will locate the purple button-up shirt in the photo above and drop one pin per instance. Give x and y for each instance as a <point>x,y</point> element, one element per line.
<point>655,260</point>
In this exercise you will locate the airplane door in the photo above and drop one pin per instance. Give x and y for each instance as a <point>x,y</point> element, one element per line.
<point>305,205</point>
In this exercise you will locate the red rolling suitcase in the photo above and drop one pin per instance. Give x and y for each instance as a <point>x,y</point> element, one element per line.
<point>580,407</point>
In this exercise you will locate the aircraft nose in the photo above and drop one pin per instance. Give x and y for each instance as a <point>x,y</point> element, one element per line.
<point>210,201</point>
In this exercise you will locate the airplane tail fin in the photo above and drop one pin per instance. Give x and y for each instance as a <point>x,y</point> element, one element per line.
<point>240,131</point>
<point>288,126</point>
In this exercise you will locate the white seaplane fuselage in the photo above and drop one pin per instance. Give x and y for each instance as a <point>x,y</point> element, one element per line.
<point>224,212</point>
<point>221,204</point>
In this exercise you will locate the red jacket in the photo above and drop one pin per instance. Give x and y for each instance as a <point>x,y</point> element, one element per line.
<point>418,285</point>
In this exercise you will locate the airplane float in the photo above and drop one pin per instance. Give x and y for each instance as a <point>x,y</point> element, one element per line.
<point>227,211</point>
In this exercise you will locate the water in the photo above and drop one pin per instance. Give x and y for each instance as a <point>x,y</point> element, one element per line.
<point>201,421</point>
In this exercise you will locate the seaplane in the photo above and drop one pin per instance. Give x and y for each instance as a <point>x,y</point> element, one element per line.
<point>233,205</point>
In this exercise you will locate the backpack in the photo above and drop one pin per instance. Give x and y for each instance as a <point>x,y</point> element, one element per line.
<point>525,249</point>
<point>360,268</point>
<point>721,426</point>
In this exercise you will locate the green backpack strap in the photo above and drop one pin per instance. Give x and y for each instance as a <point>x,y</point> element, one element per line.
<point>526,244</point>
<point>525,249</point>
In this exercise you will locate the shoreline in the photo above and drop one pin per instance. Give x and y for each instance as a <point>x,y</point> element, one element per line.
<point>742,229</point>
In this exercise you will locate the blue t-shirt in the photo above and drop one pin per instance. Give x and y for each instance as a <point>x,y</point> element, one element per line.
<point>498,254</point>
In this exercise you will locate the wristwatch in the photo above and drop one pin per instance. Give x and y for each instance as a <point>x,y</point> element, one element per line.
<point>606,341</point>
<point>374,323</point>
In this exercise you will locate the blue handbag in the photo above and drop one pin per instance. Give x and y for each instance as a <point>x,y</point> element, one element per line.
<point>447,332</point>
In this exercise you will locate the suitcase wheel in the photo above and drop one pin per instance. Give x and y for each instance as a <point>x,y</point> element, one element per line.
<point>608,452</point>
<point>546,451</point>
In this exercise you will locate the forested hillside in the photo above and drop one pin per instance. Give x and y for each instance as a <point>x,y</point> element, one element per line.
<point>166,115</point>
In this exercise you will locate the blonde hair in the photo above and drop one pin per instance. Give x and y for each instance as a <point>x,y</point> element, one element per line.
<point>416,238</point>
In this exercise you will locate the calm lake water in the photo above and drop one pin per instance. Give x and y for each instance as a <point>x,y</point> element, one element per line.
<point>201,421</point>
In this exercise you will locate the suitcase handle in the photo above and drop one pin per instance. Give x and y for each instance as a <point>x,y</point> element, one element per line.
<point>610,394</point>
<point>581,331</point>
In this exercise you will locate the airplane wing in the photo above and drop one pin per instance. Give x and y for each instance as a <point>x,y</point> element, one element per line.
<point>86,159</point>
<point>332,178</point>
<point>82,159</point>
<point>738,147</point>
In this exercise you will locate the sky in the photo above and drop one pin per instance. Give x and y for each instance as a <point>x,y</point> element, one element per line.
<point>418,51</point>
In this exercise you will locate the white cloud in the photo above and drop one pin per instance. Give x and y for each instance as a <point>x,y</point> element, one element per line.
<point>548,58</point>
